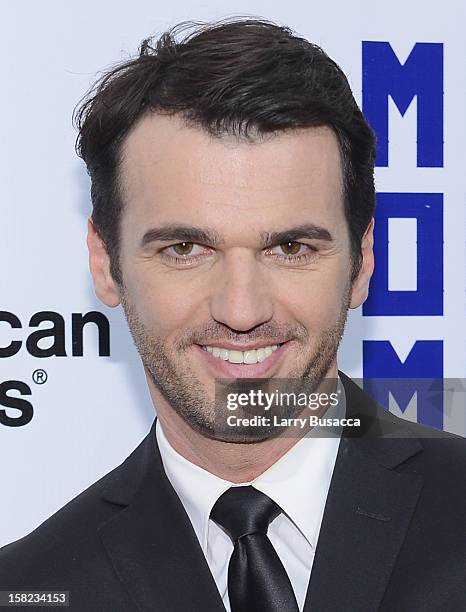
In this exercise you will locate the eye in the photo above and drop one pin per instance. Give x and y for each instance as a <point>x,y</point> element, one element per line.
<point>291,248</point>
<point>183,248</point>
<point>292,251</point>
<point>184,253</point>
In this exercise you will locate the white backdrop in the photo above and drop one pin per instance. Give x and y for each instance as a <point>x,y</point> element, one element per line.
<point>92,411</point>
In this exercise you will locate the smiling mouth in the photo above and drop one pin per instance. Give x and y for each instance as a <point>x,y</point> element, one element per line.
<point>246,357</point>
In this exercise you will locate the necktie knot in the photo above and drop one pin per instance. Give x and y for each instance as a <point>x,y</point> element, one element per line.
<point>243,511</point>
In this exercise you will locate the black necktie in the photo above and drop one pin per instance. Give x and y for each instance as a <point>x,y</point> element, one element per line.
<point>257,580</point>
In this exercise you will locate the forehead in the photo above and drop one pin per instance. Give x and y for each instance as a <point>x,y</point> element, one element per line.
<point>172,173</point>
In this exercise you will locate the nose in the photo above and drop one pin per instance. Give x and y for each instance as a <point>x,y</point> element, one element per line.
<point>241,299</point>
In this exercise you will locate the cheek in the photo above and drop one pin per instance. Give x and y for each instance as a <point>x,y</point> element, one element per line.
<point>166,305</point>
<point>314,298</point>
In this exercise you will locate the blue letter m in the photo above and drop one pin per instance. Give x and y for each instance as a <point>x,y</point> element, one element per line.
<point>422,76</point>
<point>420,373</point>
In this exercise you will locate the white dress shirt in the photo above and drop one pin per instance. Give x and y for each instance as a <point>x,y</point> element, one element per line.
<point>298,482</point>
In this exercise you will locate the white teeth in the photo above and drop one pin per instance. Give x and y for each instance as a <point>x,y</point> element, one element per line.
<point>248,357</point>
<point>261,355</point>
<point>235,356</point>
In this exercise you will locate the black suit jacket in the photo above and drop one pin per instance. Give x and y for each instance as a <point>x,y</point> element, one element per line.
<point>393,535</point>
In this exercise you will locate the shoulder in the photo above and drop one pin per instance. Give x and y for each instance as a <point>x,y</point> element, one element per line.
<point>443,457</point>
<point>63,540</point>
<point>68,542</point>
<point>431,450</point>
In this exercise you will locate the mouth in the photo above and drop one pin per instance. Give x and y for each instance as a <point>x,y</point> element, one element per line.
<point>228,361</point>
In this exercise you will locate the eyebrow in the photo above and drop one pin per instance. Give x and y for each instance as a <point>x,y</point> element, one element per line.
<point>308,230</point>
<point>183,233</point>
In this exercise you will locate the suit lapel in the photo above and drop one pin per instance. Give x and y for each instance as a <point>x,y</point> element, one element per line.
<point>151,542</point>
<point>368,510</point>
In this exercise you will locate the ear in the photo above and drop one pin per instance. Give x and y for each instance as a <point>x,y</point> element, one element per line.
<point>360,287</point>
<point>99,264</point>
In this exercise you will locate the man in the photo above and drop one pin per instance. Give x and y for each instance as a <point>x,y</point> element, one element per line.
<point>233,196</point>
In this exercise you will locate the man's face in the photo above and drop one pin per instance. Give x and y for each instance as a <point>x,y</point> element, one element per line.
<point>235,247</point>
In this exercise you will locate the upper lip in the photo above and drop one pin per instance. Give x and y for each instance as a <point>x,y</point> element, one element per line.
<point>231,346</point>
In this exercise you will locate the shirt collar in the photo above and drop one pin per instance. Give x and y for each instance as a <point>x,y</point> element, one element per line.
<point>298,482</point>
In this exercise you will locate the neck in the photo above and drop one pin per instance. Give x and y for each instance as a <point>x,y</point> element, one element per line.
<point>235,462</point>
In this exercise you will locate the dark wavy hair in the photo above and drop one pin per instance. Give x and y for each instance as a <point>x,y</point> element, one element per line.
<point>242,77</point>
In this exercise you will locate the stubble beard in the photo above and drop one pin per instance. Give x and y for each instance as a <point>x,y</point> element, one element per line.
<point>171,374</point>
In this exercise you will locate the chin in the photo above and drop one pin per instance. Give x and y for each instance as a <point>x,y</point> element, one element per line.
<point>246,435</point>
